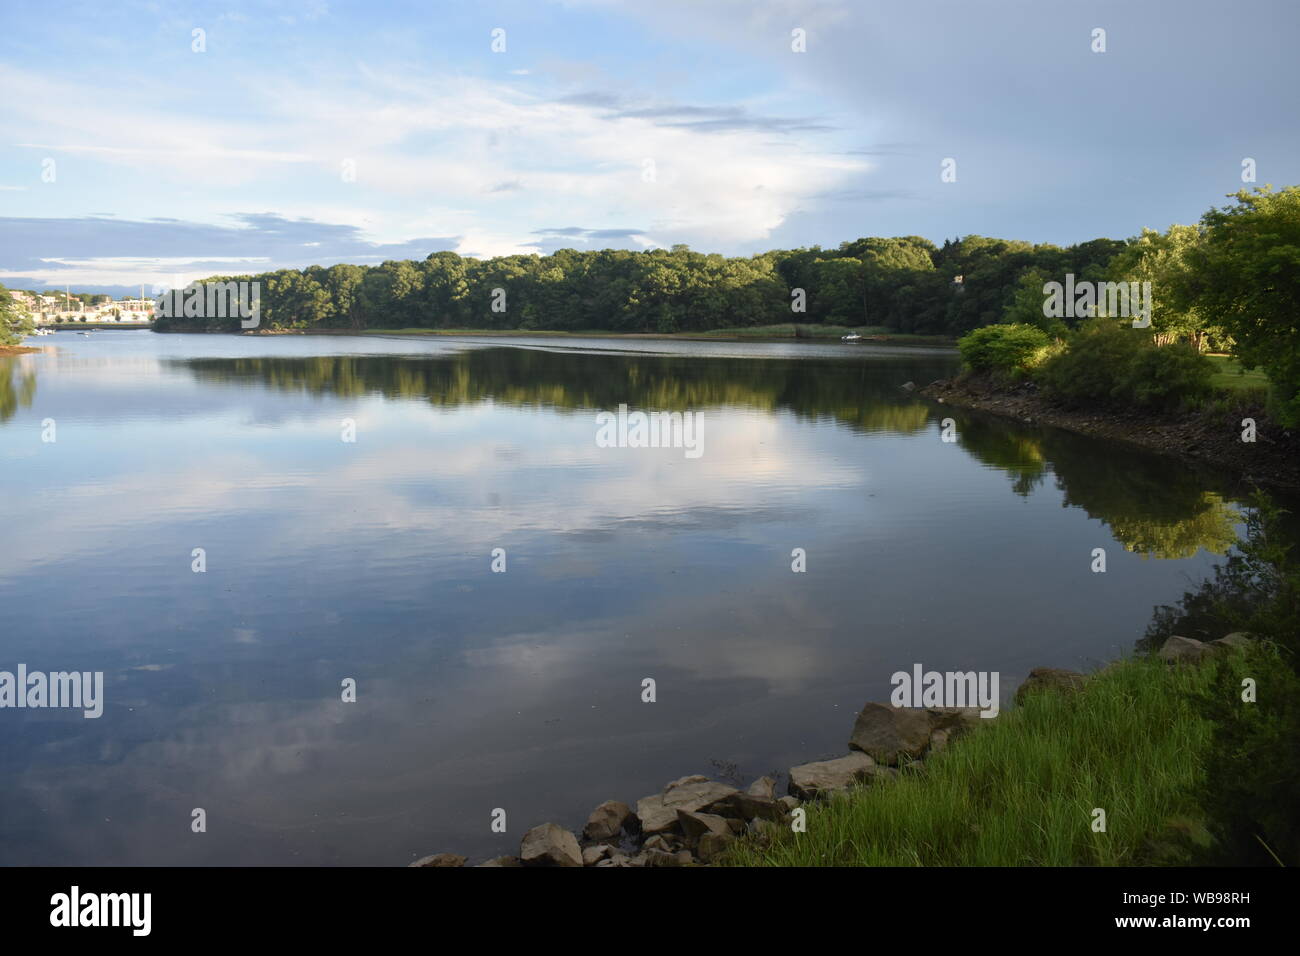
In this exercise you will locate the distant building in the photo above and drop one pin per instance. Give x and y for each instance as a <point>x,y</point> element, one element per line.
<point>25,302</point>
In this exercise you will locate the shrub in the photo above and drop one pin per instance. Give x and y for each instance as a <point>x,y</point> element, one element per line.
<point>1010,351</point>
<point>1109,362</point>
<point>1167,376</point>
<point>1095,364</point>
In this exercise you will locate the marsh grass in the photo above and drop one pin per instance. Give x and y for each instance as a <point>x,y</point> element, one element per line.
<point>1021,791</point>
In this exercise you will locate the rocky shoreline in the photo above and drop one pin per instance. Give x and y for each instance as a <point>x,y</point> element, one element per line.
<point>1212,438</point>
<point>693,820</point>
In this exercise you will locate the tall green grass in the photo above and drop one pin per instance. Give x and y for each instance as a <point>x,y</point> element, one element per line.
<point>1022,790</point>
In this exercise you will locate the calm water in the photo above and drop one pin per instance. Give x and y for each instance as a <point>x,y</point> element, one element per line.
<point>371,560</point>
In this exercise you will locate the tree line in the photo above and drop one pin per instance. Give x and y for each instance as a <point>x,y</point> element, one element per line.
<point>907,285</point>
<point>1230,281</point>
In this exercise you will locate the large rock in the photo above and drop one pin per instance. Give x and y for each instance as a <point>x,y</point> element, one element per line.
<point>550,845</point>
<point>508,861</point>
<point>824,776</point>
<point>440,859</point>
<point>606,820</point>
<point>1182,650</point>
<point>1050,679</point>
<point>765,787</point>
<point>887,733</point>
<point>1229,642</point>
<point>591,855</point>
<point>695,825</point>
<point>746,806</point>
<point>659,812</point>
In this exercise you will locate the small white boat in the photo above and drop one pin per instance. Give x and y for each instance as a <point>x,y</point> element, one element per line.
<point>850,338</point>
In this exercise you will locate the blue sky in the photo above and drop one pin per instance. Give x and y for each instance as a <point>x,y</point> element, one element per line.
<point>613,124</point>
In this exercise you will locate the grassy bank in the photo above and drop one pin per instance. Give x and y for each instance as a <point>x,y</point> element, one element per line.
<point>1231,379</point>
<point>1021,791</point>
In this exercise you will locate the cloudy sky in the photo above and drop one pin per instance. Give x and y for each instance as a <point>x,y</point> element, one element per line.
<point>284,134</point>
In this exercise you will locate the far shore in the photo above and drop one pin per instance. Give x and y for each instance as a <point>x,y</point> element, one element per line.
<point>762,334</point>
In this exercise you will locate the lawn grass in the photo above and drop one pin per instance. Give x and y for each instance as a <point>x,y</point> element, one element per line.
<point>1022,791</point>
<point>1230,378</point>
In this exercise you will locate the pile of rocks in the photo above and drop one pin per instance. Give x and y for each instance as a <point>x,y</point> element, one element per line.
<point>694,819</point>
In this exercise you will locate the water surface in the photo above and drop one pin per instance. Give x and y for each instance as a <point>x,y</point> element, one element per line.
<point>521,690</point>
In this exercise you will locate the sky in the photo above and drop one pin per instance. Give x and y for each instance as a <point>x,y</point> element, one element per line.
<point>156,143</point>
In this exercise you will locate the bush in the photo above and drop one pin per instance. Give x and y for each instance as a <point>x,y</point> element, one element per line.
<point>1109,362</point>
<point>1094,365</point>
<point>1168,376</point>
<point>1009,351</point>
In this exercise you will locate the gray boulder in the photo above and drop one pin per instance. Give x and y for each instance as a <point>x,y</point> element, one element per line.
<point>745,806</point>
<point>550,845</point>
<point>440,859</point>
<point>888,733</point>
<point>591,855</point>
<point>659,812</point>
<point>606,820</point>
<point>1050,679</point>
<point>765,787</point>
<point>1182,650</point>
<point>695,825</point>
<point>1230,642</point>
<point>811,780</point>
<point>511,861</point>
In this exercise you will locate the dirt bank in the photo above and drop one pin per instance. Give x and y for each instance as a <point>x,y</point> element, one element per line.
<point>1213,437</point>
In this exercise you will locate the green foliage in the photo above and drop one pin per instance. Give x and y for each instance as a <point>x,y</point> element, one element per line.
<point>1027,305</point>
<point>15,323</point>
<point>905,284</point>
<point>1168,376</point>
<point>1247,275</point>
<point>1107,361</point>
<point>1252,789</point>
<point>1011,351</point>
<point>1165,261</point>
<point>1092,367</point>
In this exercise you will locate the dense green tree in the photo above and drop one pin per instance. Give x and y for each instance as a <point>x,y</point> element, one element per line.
<point>1246,274</point>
